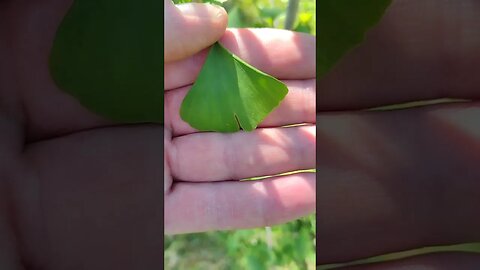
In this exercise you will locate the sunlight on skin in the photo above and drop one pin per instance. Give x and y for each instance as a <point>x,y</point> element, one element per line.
<point>217,157</point>
<point>266,151</point>
<point>225,209</point>
<point>297,107</point>
<point>300,102</point>
<point>232,39</point>
<point>298,195</point>
<point>197,203</point>
<point>242,40</point>
<point>201,205</point>
<point>178,43</point>
<point>287,67</point>
<point>275,145</point>
<point>238,204</point>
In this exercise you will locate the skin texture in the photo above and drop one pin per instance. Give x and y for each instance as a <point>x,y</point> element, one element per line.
<point>80,192</point>
<point>201,191</point>
<point>392,181</point>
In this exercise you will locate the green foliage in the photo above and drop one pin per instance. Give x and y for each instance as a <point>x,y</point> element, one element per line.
<point>343,24</point>
<point>266,13</point>
<point>242,97</point>
<point>112,61</point>
<point>273,14</point>
<point>285,247</point>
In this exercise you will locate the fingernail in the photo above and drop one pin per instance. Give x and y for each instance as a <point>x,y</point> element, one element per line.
<point>207,11</point>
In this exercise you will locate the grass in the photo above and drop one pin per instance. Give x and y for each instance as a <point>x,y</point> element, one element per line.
<point>290,246</point>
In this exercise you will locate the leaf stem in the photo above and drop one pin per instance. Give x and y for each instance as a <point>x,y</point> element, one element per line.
<point>292,11</point>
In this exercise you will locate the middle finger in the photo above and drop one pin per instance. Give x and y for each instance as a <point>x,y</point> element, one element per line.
<point>297,107</point>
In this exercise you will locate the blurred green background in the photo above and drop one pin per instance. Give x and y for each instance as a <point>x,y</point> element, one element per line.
<point>296,15</point>
<point>289,246</point>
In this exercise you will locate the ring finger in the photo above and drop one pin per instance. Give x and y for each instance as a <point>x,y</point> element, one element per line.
<point>216,157</point>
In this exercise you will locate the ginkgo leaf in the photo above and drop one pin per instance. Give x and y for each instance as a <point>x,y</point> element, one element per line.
<point>230,94</point>
<point>342,25</point>
<point>109,55</point>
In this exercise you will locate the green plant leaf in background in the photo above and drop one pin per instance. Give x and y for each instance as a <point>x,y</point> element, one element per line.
<point>215,2</point>
<point>109,55</point>
<point>235,18</point>
<point>229,94</point>
<point>342,25</point>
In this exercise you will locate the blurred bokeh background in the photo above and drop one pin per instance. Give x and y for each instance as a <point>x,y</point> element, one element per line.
<point>296,15</point>
<point>289,246</point>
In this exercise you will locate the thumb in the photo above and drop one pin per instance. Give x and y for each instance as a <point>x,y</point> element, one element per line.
<point>189,28</point>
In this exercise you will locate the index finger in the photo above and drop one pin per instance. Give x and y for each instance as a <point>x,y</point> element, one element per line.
<point>283,54</point>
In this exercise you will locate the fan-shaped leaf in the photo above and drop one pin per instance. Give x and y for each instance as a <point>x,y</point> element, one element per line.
<point>109,55</point>
<point>229,94</point>
<point>342,25</point>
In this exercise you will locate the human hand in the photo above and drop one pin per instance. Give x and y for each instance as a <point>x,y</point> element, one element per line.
<point>202,191</point>
<point>398,180</point>
<point>77,190</point>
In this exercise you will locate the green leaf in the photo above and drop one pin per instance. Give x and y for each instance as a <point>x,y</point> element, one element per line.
<point>109,55</point>
<point>215,2</point>
<point>342,25</point>
<point>272,13</point>
<point>229,94</point>
<point>235,18</point>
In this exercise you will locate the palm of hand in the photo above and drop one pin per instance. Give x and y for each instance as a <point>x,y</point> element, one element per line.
<point>203,191</point>
<point>80,175</point>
